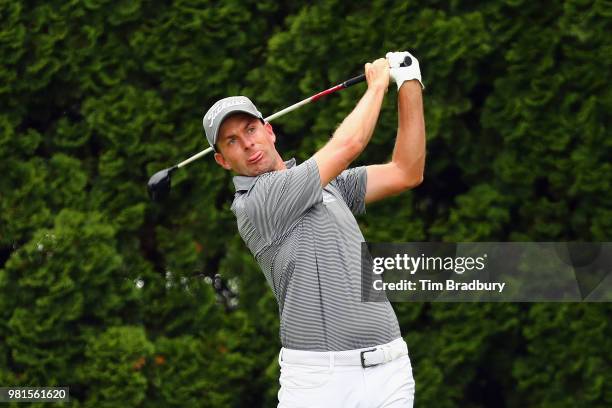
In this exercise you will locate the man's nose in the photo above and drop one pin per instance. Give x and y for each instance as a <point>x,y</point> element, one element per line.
<point>248,141</point>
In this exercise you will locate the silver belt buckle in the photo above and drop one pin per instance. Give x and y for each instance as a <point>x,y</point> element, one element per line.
<point>363,364</point>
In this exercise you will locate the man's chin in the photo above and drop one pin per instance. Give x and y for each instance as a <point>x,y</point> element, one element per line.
<point>256,170</point>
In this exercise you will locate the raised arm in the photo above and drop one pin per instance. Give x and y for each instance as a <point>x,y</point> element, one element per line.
<point>353,135</point>
<point>405,170</point>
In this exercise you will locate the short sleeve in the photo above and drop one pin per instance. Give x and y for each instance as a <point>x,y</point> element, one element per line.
<point>352,184</point>
<point>281,198</point>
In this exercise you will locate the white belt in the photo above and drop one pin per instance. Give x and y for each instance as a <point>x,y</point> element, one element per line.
<point>365,357</point>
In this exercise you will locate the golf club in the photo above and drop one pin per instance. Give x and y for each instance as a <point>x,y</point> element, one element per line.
<point>159,184</point>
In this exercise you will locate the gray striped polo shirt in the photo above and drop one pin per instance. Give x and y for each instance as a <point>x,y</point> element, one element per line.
<point>307,243</point>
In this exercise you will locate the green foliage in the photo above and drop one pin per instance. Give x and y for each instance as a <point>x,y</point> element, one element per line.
<point>67,279</point>
<point>562,368</point>
<point>112,370</point>
<point>112,295</point>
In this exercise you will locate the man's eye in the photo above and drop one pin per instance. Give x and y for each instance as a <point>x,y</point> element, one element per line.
<point>251,129</point>
<point>231,141</point>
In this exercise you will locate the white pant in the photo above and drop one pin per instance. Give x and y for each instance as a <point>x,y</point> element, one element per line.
<point>312,379</point>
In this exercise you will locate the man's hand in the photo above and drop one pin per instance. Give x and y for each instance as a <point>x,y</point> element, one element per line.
<point>401,74</point>
<point>377,74</point>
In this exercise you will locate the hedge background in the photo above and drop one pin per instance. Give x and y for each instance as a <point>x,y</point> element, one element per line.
<point>118,298</point>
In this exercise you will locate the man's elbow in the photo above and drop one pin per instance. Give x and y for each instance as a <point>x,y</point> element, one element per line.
<point>411,177</point>
<point>417,181</point>
<point>411,181</point>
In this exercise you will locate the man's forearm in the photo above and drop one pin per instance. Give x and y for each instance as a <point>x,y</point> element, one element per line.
<point>357,128</point>
<point>409,150</point>
<point>355,132</point>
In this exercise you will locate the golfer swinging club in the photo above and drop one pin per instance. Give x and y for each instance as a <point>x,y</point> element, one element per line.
<point>298,222</point>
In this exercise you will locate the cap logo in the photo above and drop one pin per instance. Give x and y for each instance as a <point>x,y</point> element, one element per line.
<point>216,110</point>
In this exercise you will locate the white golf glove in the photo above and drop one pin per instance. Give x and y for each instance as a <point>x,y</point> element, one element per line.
<point>399,73</point>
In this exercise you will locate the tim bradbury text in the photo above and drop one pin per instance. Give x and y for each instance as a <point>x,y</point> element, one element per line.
<point>428,285</point>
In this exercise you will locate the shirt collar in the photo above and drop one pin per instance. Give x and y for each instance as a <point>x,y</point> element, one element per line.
<point>244,183</point>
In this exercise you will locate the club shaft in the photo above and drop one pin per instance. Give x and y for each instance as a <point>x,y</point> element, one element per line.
<point>195,157</point>
<point>288,109</point>
<point>343,85</point>
<point>317,96</point>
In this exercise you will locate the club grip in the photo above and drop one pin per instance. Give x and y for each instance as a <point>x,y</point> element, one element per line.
<point>353,81</point>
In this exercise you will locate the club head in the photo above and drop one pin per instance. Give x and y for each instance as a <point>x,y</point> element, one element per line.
<point>159,184</point>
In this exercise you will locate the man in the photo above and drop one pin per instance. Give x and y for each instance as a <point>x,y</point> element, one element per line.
<point>298,222</point>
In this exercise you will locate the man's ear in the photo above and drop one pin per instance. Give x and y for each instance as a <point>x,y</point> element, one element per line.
<point>221,161</point>
<point>270,131</point>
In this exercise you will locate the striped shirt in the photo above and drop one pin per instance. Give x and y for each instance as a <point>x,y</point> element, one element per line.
<point>308,245</point>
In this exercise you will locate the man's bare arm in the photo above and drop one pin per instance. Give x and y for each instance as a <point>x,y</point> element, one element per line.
<point>405,170</point>
<point>353,135</point>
